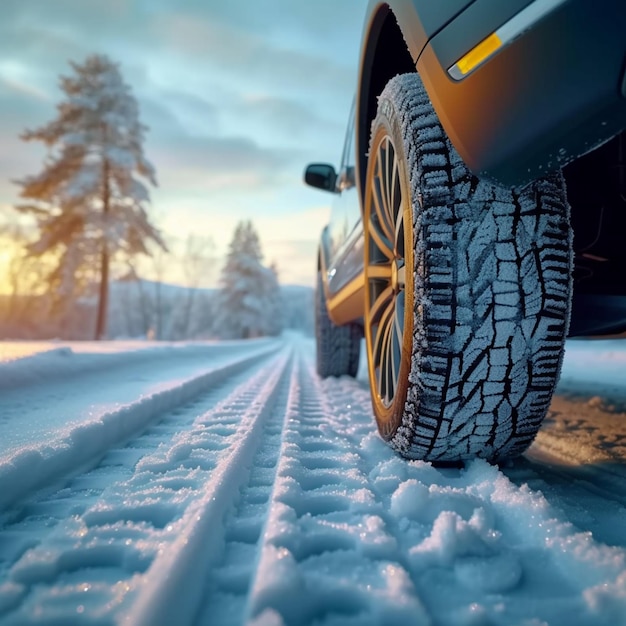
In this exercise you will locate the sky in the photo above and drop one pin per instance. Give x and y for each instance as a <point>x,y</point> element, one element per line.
<point>238,95</point>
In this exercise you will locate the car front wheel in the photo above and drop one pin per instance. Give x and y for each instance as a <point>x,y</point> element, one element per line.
<point>467,291</point>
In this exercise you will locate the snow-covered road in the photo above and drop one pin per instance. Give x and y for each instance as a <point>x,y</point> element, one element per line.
<point>226,484</point>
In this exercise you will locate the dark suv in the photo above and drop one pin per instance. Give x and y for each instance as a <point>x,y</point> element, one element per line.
<point>484,134</point>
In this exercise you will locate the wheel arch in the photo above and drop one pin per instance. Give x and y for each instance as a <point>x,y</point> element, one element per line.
<point>382,41</point>
<point>394,35</point>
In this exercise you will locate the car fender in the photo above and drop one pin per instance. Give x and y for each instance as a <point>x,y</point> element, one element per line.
<point>419,21</point>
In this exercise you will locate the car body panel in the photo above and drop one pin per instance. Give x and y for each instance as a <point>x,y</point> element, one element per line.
<point>343,279</point>
<point>421,19</point>
<point>345,208</point>
<point>512,119</point>
<point>544,100</point>
<point>481,19</point>
<point>554,93</point>
<point>424,18</point>
<point>341,245</point>
<point>348,263</point>
<point>597,314</point>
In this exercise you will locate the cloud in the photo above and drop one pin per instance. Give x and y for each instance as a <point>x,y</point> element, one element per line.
<point>250,55</point>
<point>21,88</point>
<point>291,117</point>
<point>329,27</point>
<point>192,113</point>
<point>214,163</point>
<point>198,158</point>
<point>295,261</point>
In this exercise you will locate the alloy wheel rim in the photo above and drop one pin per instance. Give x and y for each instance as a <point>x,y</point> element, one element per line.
<point>386,276</point>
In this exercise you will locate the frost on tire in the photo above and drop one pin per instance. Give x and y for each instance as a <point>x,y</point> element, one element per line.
<point>338,347</point>
<point>468,291</point>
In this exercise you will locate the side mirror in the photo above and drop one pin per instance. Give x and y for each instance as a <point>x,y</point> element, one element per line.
<point>321,176</point>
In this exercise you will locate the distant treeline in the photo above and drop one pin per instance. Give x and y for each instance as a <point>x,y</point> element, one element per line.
<point>140,309</point>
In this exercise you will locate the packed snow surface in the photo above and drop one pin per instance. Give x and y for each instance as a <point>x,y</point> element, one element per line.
<point>227,484</point>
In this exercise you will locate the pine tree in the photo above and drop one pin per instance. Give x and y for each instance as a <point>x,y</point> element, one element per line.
<point>89,200</point>
<point>250,293</point>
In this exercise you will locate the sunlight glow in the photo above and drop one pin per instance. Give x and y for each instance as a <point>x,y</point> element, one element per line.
<point>7,251</point>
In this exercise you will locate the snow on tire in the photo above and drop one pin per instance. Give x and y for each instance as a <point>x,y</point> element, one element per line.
<point>338,347</point>
<point>468,291</point>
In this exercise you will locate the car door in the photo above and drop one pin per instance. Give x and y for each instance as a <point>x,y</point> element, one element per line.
<point>345,227</point>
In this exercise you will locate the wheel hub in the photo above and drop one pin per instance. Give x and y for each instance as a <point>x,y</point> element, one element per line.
<point>394,277</point>
<point>397,277</point>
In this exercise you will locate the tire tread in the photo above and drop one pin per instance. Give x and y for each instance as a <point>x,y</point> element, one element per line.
<point>496,285</point>
<point>338,347</point>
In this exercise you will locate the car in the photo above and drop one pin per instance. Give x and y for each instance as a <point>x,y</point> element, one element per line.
<point>478,216</point>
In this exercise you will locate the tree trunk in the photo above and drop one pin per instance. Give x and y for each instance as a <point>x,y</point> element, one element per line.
<point>103,295</point>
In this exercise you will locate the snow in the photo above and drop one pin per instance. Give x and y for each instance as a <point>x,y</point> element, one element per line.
<point>224,483</point>
<point>53,442</point>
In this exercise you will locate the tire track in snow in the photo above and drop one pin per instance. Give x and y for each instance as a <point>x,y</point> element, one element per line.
<point>483,540</point>
<point>323,519</point>
<point>331,526</point>
<point>171,589</point>
<point>228,582</point>
<point>109,517</point>
<point>429,546</point>
<point>33,468</point>
<point>21,525</point>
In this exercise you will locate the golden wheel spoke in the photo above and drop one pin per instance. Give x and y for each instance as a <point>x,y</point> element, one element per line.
<point>399,316</point>
<point>382,243</point>
<point>394,357</point>
<point>388,385</point>
<point>383,328</point>
<point>378,308</point>
<point>379,271</point>
<point>382,351</point>
<point>395,347</point>
<point>382,378</point>
<point>389,178</point>
<point>389,160</point>
<point>381,202</point>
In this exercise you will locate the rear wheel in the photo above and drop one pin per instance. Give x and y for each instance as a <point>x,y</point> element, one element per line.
<point>467,291</point>
<point>338,347</point>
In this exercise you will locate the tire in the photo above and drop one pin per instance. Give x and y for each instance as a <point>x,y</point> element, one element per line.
<point>468,289</point>
<point>338,347</point>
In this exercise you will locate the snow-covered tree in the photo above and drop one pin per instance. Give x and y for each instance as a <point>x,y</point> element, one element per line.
<point>89,201</point>
<point>249,299</point>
